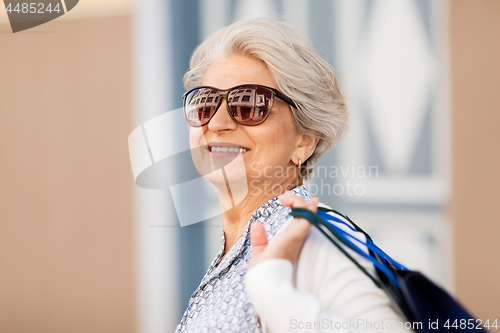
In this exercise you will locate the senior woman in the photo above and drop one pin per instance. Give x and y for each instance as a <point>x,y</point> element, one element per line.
<point>263,107</point>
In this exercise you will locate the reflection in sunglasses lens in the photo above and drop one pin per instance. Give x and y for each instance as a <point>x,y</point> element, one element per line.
<point>248,105</point>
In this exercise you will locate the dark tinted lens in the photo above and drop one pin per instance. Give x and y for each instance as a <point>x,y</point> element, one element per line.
<point>250,105</point>
<point>200,105</point>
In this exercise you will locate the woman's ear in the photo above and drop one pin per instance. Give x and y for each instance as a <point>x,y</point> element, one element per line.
<point>306,144</point>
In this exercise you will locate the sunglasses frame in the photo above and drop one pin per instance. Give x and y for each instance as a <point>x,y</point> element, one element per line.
<point>225,92</point>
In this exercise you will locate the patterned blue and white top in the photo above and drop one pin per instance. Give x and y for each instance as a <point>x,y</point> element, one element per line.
<point>220,303</point>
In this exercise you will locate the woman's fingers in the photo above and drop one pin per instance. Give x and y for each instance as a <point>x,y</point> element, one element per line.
<point>291,200</point>
<point>286,244</point>
<point>313,204</point>
<point>300,226</point>
<point>294,235</point>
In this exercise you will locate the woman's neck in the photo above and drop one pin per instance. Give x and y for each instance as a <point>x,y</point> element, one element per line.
<point>235,220</point>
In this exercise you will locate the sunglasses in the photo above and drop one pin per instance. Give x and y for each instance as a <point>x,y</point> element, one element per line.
<point>248,104</point>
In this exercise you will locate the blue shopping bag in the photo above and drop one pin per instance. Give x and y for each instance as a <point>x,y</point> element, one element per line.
<point>422,302</point>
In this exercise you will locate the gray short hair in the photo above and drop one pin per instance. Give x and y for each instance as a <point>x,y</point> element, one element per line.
<point>300,73</point>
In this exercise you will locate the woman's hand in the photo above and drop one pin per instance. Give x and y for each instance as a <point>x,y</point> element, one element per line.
<point>288,242</point>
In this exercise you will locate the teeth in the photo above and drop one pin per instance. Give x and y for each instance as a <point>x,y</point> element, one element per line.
<point>227,149</point>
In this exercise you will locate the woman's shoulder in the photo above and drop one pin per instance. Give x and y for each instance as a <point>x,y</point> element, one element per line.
<point>326,272</point>
<point>319,255</point>
<point>318,250</point>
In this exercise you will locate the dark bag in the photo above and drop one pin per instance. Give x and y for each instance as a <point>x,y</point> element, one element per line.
<point>426,306</point>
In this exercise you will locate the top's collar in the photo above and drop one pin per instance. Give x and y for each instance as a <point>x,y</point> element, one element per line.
<point>271,208</point>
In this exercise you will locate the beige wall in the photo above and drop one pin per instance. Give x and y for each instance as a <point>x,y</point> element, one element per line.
<point>66,216</point>
<point>475,87</point>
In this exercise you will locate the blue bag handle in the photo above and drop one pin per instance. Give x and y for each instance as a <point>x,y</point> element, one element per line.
<point>369,243</point>
<point>321,219</point>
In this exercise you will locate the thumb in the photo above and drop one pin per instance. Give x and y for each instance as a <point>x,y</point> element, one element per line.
<point>258,237</point>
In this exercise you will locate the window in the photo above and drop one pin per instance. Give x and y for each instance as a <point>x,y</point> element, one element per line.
<point>245,98</point>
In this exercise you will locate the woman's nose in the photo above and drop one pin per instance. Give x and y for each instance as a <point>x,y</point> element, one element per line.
<point>222,121</point>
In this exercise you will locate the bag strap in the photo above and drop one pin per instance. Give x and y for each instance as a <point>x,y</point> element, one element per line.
<point>326,210</point>
<point>329,229</point>
<point>377,252</point>
<point>385,267</point>
<point>326,230</point>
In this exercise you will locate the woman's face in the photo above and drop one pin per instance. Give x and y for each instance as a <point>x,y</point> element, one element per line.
<point>270,145</point>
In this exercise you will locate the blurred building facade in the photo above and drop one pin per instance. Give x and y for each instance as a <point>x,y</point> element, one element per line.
<point>84,249</point>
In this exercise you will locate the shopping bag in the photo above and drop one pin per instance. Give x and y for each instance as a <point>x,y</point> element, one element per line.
<point>426,306</point>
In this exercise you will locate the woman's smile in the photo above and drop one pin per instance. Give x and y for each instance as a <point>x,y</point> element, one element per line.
<point>225,148</point>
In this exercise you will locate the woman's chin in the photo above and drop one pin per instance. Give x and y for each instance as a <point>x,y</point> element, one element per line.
<point>235,178</point>
<point>222,170</point>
